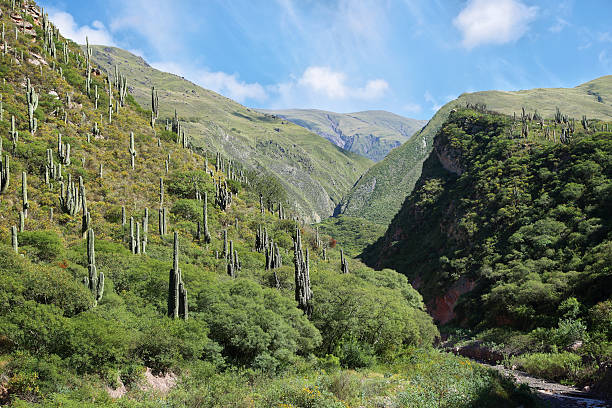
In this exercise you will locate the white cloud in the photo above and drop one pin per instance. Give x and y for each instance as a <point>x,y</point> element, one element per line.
<point>493,21</point>
<point>332,84</point>
<point>97,33</point>
<point>325,81</point>
<point>226,84</point>
<point>558,26</point>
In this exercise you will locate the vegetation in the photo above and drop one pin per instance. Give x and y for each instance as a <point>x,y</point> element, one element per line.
<point>518,229</point>
<point>100,298</point>
<point>371,134</point>
<point>378,195</point>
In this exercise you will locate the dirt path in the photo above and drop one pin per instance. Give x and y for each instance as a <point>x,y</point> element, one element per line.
<point>556,395</point>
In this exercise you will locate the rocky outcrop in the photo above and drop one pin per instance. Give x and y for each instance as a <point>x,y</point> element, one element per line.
<point>442,308</point>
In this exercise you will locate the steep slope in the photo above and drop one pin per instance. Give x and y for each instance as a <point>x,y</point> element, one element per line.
<point>379,193</point>
<point>315,173</point>
<point>502,230</point>
<point>369,133</point>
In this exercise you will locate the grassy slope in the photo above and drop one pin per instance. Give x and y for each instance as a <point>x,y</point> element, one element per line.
<point>369,133</point>
<point>315,172</point>
<point>379,193</point>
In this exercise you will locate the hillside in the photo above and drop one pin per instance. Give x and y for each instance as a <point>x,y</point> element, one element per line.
<point>379,193</point>
<point>512,233</point>
<point>371,134</point>
<point>315,173</point>
<point>137,272</point>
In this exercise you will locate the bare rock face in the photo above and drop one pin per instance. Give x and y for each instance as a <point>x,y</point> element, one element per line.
<point>448,156</point>
<point>479,352</point>
<point>442,308</point>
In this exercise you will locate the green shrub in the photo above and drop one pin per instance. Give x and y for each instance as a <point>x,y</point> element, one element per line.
<point>43,245</point>
<point>553,366</point>
<point>187,209</point>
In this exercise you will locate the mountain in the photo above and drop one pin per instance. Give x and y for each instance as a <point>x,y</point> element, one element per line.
<point>371,134</point>
<point>315,173</point>
<point>509,231</point>
<point>379,193</point>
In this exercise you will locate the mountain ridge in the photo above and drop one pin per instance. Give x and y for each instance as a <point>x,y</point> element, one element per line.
<point>370,133</point>
<point>379,193</point>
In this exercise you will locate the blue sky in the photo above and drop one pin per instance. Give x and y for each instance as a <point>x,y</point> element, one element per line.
<point>405,56</point>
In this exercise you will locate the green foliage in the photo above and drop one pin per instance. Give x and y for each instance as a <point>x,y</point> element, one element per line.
<point>553,366</point>
<point>43,245</point>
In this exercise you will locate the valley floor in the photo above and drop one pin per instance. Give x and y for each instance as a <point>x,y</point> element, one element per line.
<point>554,394</point>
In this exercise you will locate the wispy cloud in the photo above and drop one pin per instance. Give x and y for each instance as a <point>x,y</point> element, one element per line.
<point>559,25</point>
<point>228,85</point>
<point>493,22</point>
<point>97,32</point>
<point>332,84</point>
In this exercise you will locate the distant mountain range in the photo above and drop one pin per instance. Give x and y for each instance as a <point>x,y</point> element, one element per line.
<point>371,134</point>
<point>380,192</point>
<point>315,173</point>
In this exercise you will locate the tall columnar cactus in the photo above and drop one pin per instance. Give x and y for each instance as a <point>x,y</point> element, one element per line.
<point>303,293</point>
<point>14,241</point>
<point>145,231</point>
<point>223,196</point>
<point>225,253</point>
<point>231,266</point>
<point>85,217</point>
<point>163,214</point>
<point>21,221</point>
<point>24,194</point>
<point>5,174</point>
<point>110,100</point>
<point>154,106</point>
<point>63,150</point>
<point>261,205</point>
<point>133,241</point>
<point>161,191</point>
<point>32,99</point>
<point>94,281</point>
<point>273,256</point>
<point>132,150</point>
<point>343,262</point>
<point>207,238</point>
<point>70,196</point>
<point>14,134</point>
<point>177,294</point>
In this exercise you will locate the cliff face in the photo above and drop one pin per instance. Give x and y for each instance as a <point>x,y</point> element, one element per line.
<point>496,230</point>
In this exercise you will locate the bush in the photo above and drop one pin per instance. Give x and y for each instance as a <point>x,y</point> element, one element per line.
<point>187,210</point>
<point>553,366</point>
<point>43,245</point>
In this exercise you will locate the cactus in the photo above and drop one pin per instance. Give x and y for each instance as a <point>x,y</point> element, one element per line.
<point>133,243</point>
<point>261,205</point>
<point>324,254</point>
<point>24,194</point>
<point>343,262</point>
<point>154,106</point>
<point>223,196</point>
<point>5,174</point>
<point>207,238</point>
<point>32,100</point>
<point>231,265</point>
<point>132,150</point>
<point>14,134</point>
<point>177,294</point>
<point>161,191</point>
<point>14,241</point>
<point>145,231</point>
<point>94,282</point>
<point>70,197</point>
<point>303,293</point>
<point>123,216</point>
<point>63,150</point>
<point>21,221</point>
<point>225,243</point>
<point>163,214</point>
